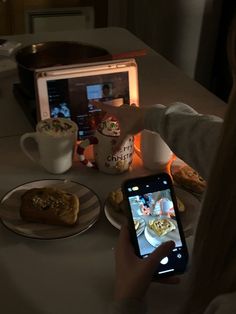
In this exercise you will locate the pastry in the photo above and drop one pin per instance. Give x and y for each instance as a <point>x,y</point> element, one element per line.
<point>161,226</point>
<point>115,198</point>
<point>50,206</point>
<point>189,179</point>
<point>180,205</point>
<point>136,224</point>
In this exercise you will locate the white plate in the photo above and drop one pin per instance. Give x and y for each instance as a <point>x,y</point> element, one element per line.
<point>189,217</point>
<point>115,217</point>
<point>88,213</point>
<point>141,226</point>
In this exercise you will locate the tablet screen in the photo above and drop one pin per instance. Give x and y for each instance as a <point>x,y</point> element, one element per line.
<point>67,92</point>
<point>70,98</point>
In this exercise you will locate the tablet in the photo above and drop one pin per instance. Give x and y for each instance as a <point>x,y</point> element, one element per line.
<point>67,91</point>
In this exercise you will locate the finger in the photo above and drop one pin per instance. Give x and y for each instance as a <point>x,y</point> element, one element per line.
<point>162,251</point>
<point>108,108</point>
<point>124,236</point>
<point>170,280</point>
<point>124,244</point>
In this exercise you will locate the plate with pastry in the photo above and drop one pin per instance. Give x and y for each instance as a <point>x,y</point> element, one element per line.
<point>139,225</point>
<point>50,209</point>
<point>188,205</point>
<point>160,230</point>
<point>114,208</point>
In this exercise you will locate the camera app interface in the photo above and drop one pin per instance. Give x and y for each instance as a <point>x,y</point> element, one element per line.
<point>155,220</point>
<point>71,98</point>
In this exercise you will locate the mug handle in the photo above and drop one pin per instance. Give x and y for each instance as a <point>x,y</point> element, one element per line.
<point>92,140</point>
<point>23,138</point>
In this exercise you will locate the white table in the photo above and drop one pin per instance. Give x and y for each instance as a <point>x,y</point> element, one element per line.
<point>76,275</point>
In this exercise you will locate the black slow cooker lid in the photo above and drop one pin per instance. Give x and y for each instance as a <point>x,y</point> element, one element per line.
<point>52,53</point>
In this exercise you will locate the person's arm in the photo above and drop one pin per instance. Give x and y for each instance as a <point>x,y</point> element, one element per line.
<point>223,304</point>
<point>191,136</point>
<point>128,306</point>
<point>134,275</point>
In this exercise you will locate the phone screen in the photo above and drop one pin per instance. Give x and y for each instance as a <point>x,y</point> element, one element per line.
<point>154,219</point>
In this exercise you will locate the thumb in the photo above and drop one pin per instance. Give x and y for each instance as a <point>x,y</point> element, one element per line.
<point>162,251</point>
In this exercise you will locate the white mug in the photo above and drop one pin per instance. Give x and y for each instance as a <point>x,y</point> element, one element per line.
<point>105,159</point>
<point>56,139</point>
<point>166,206</point>
<point>154,152</point>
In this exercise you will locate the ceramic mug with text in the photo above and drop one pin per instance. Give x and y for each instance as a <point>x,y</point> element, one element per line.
<point>103,141</point>
<point>56,139</point>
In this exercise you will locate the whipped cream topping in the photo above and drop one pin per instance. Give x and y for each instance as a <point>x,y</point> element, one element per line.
<point>57,127</point>
<point>109,127</point>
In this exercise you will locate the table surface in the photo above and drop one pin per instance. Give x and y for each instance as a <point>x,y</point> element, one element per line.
<point>76,275</point>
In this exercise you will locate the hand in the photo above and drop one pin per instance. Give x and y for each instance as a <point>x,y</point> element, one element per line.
<point>131,119</point>
<point>133,274</point>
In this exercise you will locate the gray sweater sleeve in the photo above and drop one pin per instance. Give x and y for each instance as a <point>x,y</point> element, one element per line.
<point>191,136</point>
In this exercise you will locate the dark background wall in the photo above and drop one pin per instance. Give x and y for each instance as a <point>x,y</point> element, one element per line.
<point>220,83</point>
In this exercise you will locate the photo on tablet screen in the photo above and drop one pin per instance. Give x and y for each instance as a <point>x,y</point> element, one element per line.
<point>68,92</point>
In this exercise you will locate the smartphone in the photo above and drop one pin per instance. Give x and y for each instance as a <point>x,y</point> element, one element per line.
<point>153,218</point>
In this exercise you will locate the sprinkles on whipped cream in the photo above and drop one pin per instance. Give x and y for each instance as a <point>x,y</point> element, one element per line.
<point>56,127</point>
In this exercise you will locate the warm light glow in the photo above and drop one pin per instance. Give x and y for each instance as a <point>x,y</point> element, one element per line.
<point>168,166</point>
<point>137,142</point>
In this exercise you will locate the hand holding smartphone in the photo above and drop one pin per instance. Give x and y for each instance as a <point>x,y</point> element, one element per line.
<point>153,219</point>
